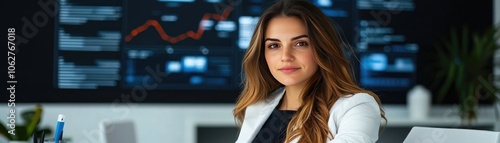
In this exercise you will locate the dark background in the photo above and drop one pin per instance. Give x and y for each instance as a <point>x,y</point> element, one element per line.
<point>35,61</point>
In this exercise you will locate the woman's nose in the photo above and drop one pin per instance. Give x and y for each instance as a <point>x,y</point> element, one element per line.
<point>286,54</point>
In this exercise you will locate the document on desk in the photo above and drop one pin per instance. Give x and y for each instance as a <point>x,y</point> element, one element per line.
<point>449,135</point>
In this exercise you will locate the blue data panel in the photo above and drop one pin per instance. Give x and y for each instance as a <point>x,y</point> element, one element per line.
<point>87,46</point>
<point>386,45</point>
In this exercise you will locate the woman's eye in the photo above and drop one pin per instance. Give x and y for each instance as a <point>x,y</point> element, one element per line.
<point>301,44</point>
<point>272,46</point>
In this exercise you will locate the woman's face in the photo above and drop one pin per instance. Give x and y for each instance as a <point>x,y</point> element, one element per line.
<point>288,52</point>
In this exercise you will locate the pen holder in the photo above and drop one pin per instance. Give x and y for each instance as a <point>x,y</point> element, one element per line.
<point>40,138</point>
<point>58,137</point>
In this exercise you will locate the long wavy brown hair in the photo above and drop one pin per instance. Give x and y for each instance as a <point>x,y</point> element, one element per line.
<point>333,79</point>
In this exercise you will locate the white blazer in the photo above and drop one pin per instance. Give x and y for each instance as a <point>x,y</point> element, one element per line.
<point>353,118</point>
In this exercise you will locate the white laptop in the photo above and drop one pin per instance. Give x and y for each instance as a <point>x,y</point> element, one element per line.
<point>448,135</point>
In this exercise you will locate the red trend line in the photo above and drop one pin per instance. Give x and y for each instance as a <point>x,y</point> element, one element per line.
<point>174,39</point>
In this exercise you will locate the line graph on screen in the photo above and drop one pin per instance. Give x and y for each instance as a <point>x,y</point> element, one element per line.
<point>174,39</point>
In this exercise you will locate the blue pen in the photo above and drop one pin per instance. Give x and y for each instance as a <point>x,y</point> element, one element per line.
<point>59,128</point>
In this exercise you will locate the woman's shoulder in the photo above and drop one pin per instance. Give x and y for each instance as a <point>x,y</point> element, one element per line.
<point>349,101</point>
<point>357,97</point>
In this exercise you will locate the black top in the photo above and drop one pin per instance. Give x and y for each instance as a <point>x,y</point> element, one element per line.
<point>274,129</point>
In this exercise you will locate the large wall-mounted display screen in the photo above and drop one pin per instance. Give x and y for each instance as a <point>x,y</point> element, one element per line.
<point>191,50</point>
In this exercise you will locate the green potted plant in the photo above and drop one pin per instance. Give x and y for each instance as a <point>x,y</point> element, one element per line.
<point>24,132</point>
<point>463,68</point>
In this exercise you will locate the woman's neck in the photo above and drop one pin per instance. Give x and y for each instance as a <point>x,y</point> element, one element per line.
<point>292,99</point>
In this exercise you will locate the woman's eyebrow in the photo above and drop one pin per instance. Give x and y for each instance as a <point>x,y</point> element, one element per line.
<point>293,38</point>
<point>271,39</point>
<point>298,37</point>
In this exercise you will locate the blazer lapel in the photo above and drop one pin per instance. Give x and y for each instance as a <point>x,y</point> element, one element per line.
<point>257,114</point>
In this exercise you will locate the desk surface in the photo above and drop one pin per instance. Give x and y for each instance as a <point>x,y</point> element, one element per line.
<point>446,116</point>
<point>399,122</point>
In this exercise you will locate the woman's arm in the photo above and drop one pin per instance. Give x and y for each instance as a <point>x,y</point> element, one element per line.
<point>356,119</point>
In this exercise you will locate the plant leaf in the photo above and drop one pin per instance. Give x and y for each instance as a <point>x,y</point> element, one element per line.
<point>477,50</point>
<point>454,43</point>
<point>5,132</point>
<point>35,120</point>
<point>465,40</point>
<point>20,136</point>
<point>447,83</point>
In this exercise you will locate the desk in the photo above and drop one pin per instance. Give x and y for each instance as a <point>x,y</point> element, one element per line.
<point>440,116</point>
<point>399,123</point>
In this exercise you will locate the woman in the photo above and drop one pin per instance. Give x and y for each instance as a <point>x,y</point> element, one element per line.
<point>298,86</point>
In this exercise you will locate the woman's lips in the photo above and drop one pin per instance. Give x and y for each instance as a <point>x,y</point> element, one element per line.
<point>288,70</point>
